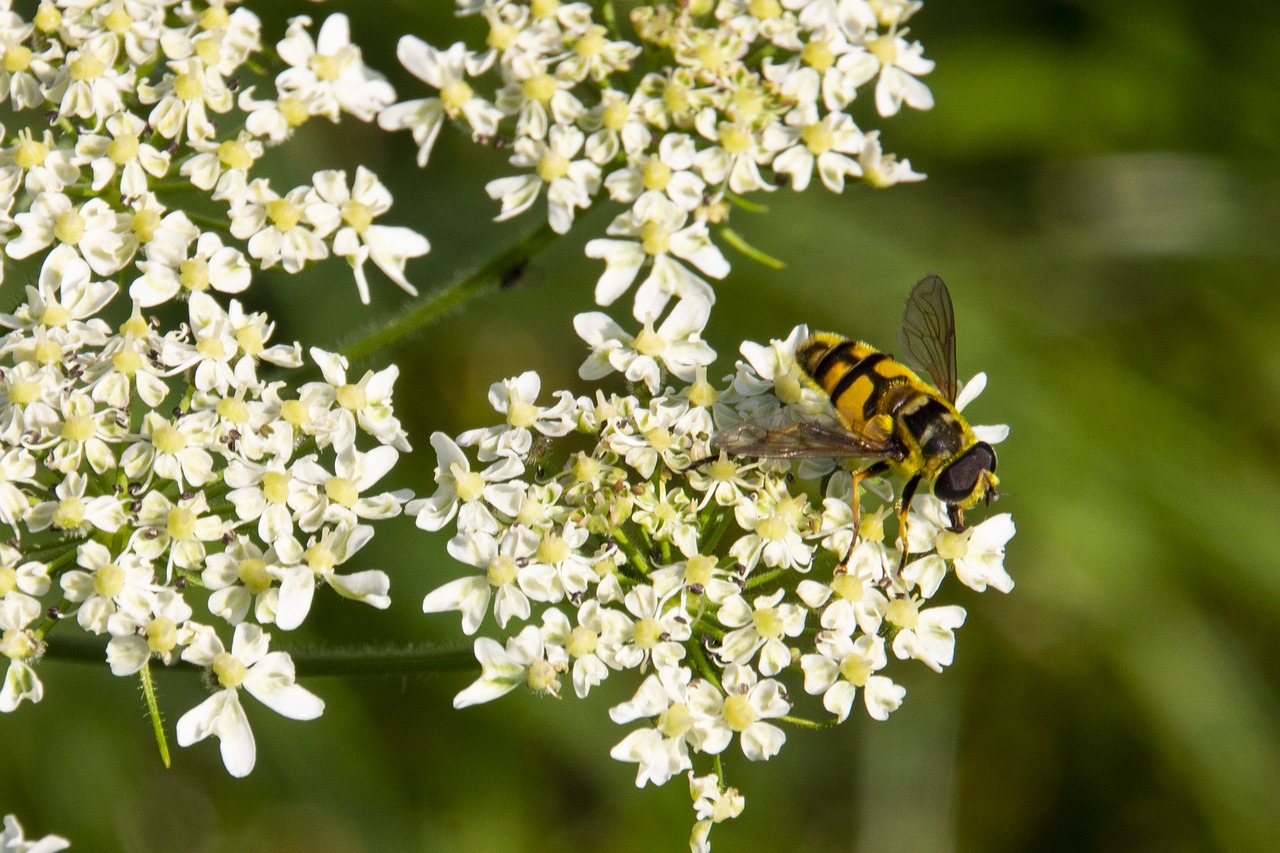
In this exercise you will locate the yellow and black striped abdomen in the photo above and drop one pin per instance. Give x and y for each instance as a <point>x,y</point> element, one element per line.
<point>865,385</point>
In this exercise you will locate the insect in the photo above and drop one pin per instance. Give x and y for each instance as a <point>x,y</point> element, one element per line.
<point>884,413</point>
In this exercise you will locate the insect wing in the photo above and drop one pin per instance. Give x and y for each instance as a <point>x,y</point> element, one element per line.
<point>780,436</point>
<point>929,333</point>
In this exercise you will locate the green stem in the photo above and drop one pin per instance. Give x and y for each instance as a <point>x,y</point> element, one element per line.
<point>153,710</point>
<point>435,305</point>
<point>737,241</point>
<point>629,548</point>
<point>766,577</point>
<point>418,659</point>
<point>806,724</point>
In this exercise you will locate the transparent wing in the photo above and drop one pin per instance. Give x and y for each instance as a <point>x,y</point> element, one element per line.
<point>929,333</point>
<point>779,436</point>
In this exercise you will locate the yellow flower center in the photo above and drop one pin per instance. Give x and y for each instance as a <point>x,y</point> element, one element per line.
<point>656,174</point>
<point>17,59</point>
<point>773,528</point>
<point>738,713</point>
<point>162,635</point>
<point>357,215</point>
<point>214,18</point>
<point>904,613</point>
<point>454,96</point>
<point>468,484</point>
<point>952,546</point>
<point>126,362</point>
<point>168,439</point>
<point>283,213</point>
<point>229,671</point>
<point>649,342</point>
<point>847,587</point>
<point>8,580</point>
<point>501,36</point>
<point>585,468</point>
<point>181,524</point>
<point>539,87</point>
<point>48,17</point>
<point>249,339</point>
<point>615,115</point>
<point>118,20</point>
<point>78,428</point>
<point>818,56</point>
<point>659,438</point>
<point>818,138</point>
<point>502,571</point>
<point>293,110</point>
<point>325,67</point>
<point>591,44</point>
<point>647,633</point>
<point>763,10</point>
<point>540,9</point>
<point>235,155</point>
<point>767,622</point>
<point>553,550</point>
<point>252,572</point>
<point>47,352</point>
<point>654,238</point>
<point>108,580</point>
<point>86,67</point>
<point>342,491</point>
<point>676,720</point>
<point>295,413</point>
<point>69,227</point>
<point>855,669</point>
<point>351,397</point>
<point>145,223</point>
<point>552,165</point>
<point>319,558</point>
<point>29,152</point>
<point>55,316</point>
<point>582,642</point>
<point>699,570</point>
<point>541,678</point>
<point>275,486</point>
<point>735,139</point>
<point>884,48</point>
<point>233,410</point>
<point>676,98</point>
<point>69,514</point>
<point>188,86</point>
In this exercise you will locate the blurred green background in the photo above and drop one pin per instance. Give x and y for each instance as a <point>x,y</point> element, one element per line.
<point>1102,201</point>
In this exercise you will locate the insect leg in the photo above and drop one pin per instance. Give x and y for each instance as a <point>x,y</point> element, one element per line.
<point>956,516</point>
<point>873,470</point>
<point>904,506</point>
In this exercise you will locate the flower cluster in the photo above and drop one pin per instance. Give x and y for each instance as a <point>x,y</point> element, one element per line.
<point>726,588</point>
<point>14,840</point>
<point>142,464</point>
<point>691,107</point>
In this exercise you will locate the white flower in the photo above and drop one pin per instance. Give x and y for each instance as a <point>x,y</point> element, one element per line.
<point>927,635</point>
<point>655,230</point>
<point>898,63</point>
<point>184,97</point>
<point>157,631</point>
<point>712,804</point>
<point>457,484</point>
<point>213,266</point>
<point>842,666</point>
<point>500,558</point>
<point>522,661</point>
<point>358,240</point>
<point>760,626</point>
<point>93,229</point>
<point>269,678</point>
<point>516,399</point>
<point>12,840</point>
<point>366,403</point>
<point>329,73</point>
<point>107,585</point>
<point>18,644</point>
<point>884,170</point>
<point>748,702</point>
<point>301,569</point>
<point>570,183</point>
<point>826,143</point>
<point>446,70</point>
<point>676,345</point>
<point>677,705</point>
<point>123,150</point>
<point>285,230</point>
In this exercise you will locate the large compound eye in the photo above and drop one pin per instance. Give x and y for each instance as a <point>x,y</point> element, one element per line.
<point>959,479</point>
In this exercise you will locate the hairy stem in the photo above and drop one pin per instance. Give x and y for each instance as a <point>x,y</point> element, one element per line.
<point>435,305</point>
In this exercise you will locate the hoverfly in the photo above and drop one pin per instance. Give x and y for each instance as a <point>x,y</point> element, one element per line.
<point>884,413</point>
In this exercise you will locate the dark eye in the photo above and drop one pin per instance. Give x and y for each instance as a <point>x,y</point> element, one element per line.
<point>958,480</point>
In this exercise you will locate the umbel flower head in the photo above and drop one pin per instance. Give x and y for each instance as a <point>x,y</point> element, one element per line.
<point>674,114</point>
<point>734,594</point>
<point>144,467</point>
